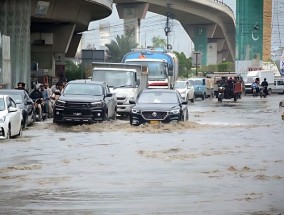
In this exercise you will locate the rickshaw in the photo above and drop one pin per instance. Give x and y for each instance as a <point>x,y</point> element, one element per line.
<point>227,86</point>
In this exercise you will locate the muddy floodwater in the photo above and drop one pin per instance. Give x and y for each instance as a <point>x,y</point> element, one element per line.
<point>227,159</point>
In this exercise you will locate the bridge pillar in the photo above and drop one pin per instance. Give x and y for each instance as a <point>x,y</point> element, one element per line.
<point>15,23</point>
<point>49,47</point>
<point>249,35</point>
<point>132,13</point>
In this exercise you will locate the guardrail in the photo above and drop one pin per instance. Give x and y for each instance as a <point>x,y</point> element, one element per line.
<point>221,2</point>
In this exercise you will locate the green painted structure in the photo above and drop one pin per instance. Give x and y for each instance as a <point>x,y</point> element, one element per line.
<point>249,30</point>
<point>200,43</point>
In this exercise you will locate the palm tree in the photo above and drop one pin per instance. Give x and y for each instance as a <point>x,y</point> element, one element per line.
<point>117,49</point>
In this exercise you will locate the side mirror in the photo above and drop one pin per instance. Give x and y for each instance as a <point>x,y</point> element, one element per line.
<point>12,109</point>
<point>132,102</point>
<point>109,95</point>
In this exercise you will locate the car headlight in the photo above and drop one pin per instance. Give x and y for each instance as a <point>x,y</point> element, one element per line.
<point>2,119</point>
<point>176,111</point>
<point>133,110</point>
<point>60,103</point>
<point>97,104</point>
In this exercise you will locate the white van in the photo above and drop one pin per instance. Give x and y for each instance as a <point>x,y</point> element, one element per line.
<point>278,85</point>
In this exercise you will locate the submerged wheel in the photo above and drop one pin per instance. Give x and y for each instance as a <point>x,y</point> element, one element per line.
<point>193,99</point>
<point>220,98</point>
<point>8,135</point>
<point>20,131</point>
<point>114,115</point>
<point>106,116</point>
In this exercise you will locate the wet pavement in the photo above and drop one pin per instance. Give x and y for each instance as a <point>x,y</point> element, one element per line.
<point>227,159</point>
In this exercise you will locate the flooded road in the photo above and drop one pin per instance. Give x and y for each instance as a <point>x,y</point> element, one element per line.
<point>227,159</point>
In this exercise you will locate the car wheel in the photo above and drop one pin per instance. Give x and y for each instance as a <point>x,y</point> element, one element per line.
<point>20,131</point>
<point>185,117</point>
<point>8,135</point>
<point>193,99</point>
<point>114,115</point>
<point>106,116</point>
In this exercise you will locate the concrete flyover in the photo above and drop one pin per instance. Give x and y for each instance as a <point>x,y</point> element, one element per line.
<point>209,23</point>
<point>47,31</point>
<point>43,32</point>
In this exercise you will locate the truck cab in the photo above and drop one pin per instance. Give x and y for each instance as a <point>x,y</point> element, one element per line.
<point>125,80</point>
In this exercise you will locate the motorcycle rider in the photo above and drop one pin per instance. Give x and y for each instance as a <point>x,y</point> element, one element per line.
<point>37,97</point>
<point>264,84</point>
<point>255,86</point>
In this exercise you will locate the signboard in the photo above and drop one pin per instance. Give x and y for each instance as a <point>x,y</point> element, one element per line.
<point>255,68</point>
<point>196,58</point>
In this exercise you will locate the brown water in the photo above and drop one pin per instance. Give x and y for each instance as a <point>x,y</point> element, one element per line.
<point>228,159</point>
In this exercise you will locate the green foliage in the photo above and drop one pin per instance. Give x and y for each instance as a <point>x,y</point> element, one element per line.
<point>222,67</point>
<point>159,42</point>
<point>118,48</point>
<point>72,71</point>
<point>185,65</point>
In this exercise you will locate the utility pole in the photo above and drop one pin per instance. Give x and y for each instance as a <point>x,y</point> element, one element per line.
<point>168,28</point>
<point>196,60</point>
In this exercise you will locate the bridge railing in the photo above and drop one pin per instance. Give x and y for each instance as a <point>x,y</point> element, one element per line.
<point>221,2</point>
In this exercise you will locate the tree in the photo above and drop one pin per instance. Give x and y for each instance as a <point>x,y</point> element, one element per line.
<point>118,48</point>
<point>72,71</point>
<point>185,65</point>
<point>159,42</point>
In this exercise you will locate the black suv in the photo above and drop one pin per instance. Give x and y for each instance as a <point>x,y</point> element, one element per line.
<point>85,101</point>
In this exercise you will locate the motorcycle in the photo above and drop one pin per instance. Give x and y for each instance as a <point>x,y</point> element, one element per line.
<point>263,92</point>
<point>221,91</point>
<point>255,91</point>
<point>39,109</point>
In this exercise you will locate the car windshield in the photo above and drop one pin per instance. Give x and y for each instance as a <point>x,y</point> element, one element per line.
<point>2,104</point>
<point>115,78</point>
<point>157,70</point>
<point>196,82</point>
<point>17,98</point>
<point>158,98</point>
<point>83,89</point>
<point>180,85</point>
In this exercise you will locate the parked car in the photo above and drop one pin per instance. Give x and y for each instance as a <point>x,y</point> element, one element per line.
<point>158,105</point>
<point>10,118</point>
<point>200,88</point>
<point>24,102</point>
<point>85,101</point>
<point>186,90</point>
<point>278,85</point>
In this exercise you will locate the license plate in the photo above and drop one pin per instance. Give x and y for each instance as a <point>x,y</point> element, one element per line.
<point>154,122</point>
<point>77,114</point>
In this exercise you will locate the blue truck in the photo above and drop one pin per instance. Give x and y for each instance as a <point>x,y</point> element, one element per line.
<point>162,66</point>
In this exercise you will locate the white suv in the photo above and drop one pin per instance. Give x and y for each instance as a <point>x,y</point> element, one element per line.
<point>185,89</point>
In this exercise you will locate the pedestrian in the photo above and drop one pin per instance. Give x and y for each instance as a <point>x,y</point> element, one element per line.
<point>21,86</point>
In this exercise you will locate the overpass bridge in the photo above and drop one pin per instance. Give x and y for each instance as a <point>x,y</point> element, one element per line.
<point>48,31</point>
<point>209,23</point>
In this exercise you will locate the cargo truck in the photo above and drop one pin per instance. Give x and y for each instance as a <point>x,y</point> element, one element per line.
<point>125,80</point>
<point>261,74</point>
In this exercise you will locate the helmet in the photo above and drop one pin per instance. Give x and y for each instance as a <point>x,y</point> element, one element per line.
<point>38,86</point>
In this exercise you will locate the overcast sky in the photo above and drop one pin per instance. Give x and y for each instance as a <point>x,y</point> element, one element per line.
<point>152,26</point>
